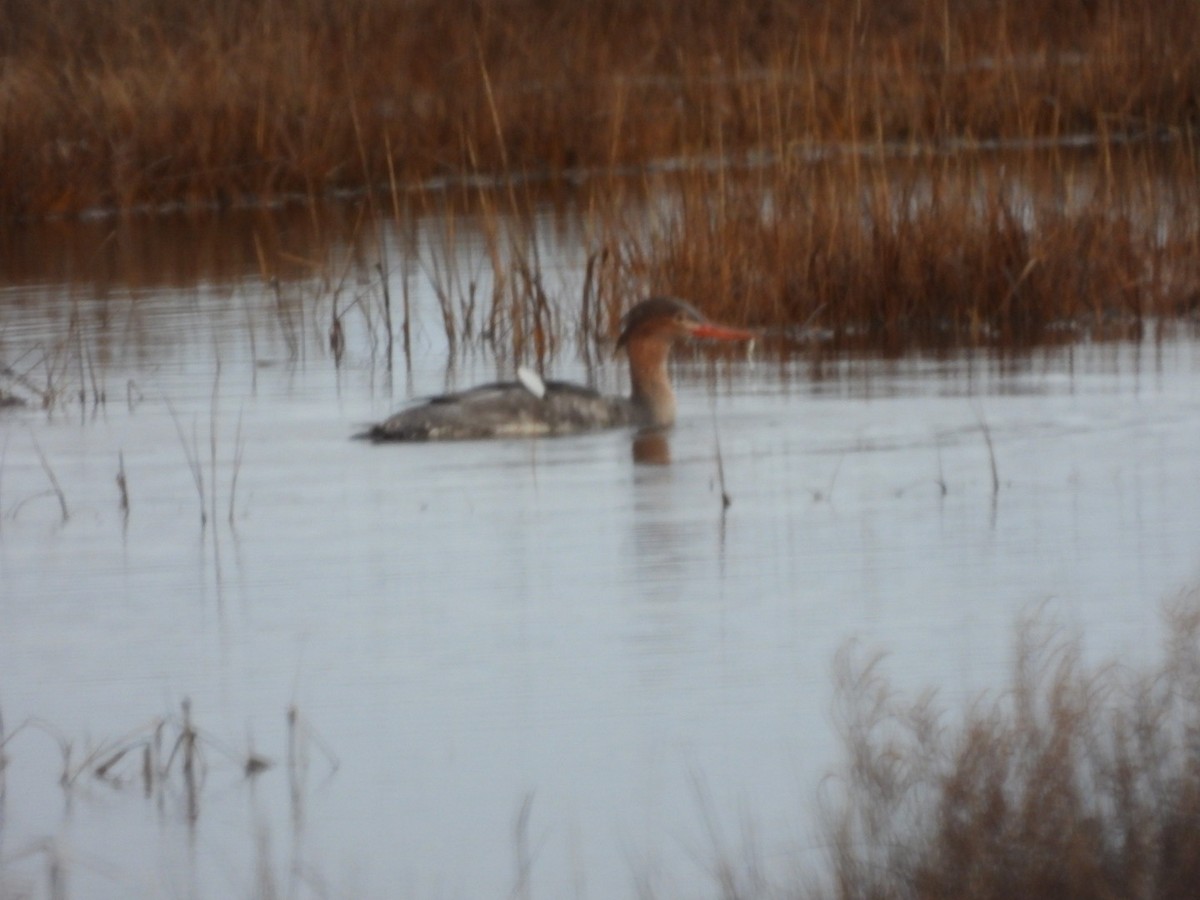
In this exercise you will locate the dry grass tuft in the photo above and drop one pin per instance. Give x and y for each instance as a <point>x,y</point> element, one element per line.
<point>1076,782</point>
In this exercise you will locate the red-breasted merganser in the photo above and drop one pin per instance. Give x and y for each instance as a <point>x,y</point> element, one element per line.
<point>530,407</point>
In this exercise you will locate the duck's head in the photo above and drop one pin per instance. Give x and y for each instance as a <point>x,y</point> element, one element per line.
<point>667,319</point>
<point>647,333</point>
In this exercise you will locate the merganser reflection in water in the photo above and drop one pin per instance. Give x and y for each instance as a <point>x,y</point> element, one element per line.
<point>530,407</point>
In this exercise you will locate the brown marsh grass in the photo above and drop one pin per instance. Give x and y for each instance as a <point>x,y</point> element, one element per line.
<point>894,174</point>
<point>1076,781</point>
<point>884,252</point>
<point>998,249</point>
<point>120,104</point>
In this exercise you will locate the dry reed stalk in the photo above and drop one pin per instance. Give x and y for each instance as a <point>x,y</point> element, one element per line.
<point>397,218</point>
<point>3,460</point>
<point>55,486</point>
<point>192,455</point>
<point>122,485</point>
<point>441,271</point>
<point>522,880</point>
<point>987,440</point>
<point>726,500</point>
<point>212,443</point>
<point>188,747</point>
<point>239,447</point>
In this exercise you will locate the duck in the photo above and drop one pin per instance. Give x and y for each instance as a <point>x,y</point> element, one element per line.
<point>531,407</point>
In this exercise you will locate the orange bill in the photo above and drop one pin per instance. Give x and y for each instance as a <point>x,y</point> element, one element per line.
<point>714,332</point>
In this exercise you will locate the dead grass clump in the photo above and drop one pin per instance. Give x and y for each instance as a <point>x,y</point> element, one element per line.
<point>1076,782</point>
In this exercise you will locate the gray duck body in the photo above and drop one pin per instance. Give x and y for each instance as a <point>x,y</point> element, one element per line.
<point>507,409</point>
<point>530,409</point>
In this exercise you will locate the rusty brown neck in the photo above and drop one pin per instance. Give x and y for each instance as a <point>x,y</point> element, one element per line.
<point>651,388</point>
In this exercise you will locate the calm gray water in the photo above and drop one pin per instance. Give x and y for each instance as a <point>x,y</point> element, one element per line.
<point>475,629</point>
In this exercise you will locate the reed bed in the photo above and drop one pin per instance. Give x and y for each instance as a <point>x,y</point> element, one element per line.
<point>933,251</point>
<point>1076,781</point>
<point>146,103</point>
<point>884,252</point>
<point>892,175</point>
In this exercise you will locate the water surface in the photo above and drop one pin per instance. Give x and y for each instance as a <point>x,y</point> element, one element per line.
<point>470,630</point>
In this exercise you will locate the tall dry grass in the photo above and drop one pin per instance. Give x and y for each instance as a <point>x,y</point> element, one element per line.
<point>897,173</point>
<point>1077,782</point>
<point>129,103</point>
<point>891,252</point>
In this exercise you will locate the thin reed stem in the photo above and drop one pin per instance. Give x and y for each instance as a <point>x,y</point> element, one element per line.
<point>57,488</point>
<point>193,461</point>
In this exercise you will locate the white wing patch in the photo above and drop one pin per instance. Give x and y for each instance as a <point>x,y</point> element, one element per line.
<point>531,381</point>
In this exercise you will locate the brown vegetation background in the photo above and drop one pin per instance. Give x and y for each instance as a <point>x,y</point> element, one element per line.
<point>896,173</point>
<point>125,103</point>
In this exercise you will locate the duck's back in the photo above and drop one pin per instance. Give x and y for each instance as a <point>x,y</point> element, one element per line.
<point>506,409</point>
